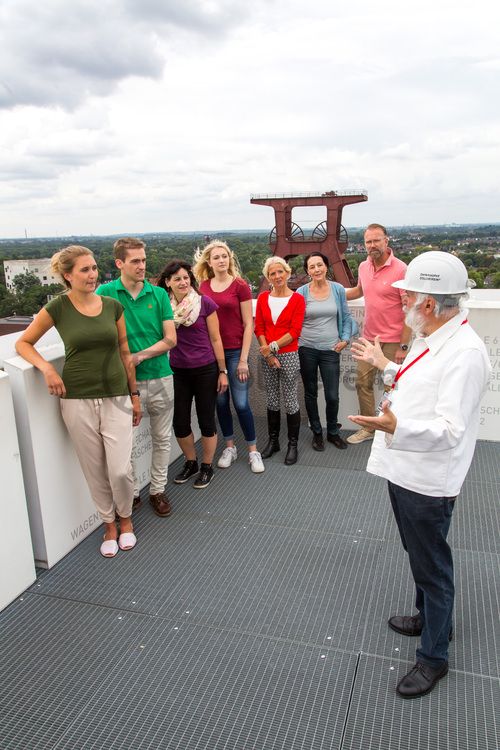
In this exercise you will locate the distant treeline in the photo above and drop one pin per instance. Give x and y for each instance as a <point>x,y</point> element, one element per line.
<point>476,245</point>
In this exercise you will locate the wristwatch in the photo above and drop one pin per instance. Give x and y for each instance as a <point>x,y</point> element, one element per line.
<point>222,372</point>
<point>135,393</point>
<point>404,347</point>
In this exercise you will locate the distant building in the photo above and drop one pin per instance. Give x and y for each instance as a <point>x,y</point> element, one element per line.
<point>39,267</point>
<point>14,323</point>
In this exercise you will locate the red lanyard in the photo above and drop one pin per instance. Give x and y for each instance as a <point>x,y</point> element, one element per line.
<point>402,371</point>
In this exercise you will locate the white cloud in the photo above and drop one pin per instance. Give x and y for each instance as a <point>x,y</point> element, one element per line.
<point>164,116</point>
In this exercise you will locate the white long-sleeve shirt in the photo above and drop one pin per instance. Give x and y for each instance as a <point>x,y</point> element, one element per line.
<point>436,402</point>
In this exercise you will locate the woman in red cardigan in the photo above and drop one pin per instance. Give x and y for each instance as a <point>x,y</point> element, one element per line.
<point>278,323</point>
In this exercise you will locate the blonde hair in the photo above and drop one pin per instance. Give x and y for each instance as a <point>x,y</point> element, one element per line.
<point>63,261</point>
<point>271,262</point>
<point>202,269</point>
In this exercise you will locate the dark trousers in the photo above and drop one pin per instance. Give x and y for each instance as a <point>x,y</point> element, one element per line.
<point>328,363</point>
<point>199,383</point>
<point>423,524</point>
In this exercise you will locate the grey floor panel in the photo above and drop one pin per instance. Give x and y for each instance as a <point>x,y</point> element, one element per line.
<point>267,580</point>
<point>475,645</point>
<point>241,621</point>
<point>486,464</point>
<point>460,714</point>
<point>476,522</point>
<point>325,500</point>
<point>355,457</point>
<point>218,690</point>
<point>276,582</point>
<point>54,656</point>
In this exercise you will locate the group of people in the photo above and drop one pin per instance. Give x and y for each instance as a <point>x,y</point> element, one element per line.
<point>123,339</point>
<point>133,346</point>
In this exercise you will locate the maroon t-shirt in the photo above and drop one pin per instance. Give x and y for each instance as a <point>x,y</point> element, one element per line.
<point>229,310</point>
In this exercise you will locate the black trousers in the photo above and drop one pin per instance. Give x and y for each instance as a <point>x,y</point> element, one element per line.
<point>199,383</point>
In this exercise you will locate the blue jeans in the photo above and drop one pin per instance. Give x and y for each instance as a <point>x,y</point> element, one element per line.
<point>423,524</point>
<point>239,394</point>
<point>328,363</point>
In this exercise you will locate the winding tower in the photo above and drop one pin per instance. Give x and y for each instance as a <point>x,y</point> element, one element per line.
<point>287,239</point>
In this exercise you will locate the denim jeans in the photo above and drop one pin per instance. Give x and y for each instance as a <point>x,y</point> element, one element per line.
<point>328,363</point>
<point>239,395</point>
<point>423,524</point>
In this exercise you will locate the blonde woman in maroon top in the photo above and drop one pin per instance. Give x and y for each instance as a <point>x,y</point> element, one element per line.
<point>278,323</point>
<point>217,273</point>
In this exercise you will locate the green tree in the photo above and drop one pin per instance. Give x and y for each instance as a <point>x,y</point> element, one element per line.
<point>23,282</point>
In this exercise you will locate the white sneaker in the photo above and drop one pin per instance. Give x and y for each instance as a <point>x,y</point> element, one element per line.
<point>256,463</point>
<point>228,456</point>
<point>360,436</point>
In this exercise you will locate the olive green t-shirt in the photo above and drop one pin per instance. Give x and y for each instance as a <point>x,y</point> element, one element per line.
<point>93,367</point>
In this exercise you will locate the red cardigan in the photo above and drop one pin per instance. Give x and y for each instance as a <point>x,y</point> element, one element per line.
<point>289,321</point>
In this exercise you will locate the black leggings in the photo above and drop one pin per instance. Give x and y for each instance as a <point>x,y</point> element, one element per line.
<point>200,382</point>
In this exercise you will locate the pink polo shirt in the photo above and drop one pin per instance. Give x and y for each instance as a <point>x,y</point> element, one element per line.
<point>384,315</point>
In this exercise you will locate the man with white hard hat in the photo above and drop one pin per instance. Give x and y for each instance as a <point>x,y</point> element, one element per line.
<point>430,419</point>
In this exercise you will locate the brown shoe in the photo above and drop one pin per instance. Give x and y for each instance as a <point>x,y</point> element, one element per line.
<point>161,505</point>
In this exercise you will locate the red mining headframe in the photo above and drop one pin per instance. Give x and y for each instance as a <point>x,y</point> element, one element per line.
<point>287,239</point>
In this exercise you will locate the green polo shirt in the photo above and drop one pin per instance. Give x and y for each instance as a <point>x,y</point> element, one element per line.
<point>144,318</point>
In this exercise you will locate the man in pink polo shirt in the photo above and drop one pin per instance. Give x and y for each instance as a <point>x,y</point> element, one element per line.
<point>384,316</point>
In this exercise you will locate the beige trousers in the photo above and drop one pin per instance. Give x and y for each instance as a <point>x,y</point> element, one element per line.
<point>157,399</point>
<point>365,379</point>
<point>101,432</point>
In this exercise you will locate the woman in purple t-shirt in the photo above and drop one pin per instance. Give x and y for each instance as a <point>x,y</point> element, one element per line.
<point>199,368</point>
<point>217,272</point>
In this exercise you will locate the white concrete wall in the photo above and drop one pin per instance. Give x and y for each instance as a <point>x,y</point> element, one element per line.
<point>61,511</point>
<point>17,567</point>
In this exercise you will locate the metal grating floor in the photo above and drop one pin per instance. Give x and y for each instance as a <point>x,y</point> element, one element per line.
<point>254,618</point>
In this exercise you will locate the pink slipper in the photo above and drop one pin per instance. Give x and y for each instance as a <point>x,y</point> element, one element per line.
<point>126,541</point>
<point>109,548</point>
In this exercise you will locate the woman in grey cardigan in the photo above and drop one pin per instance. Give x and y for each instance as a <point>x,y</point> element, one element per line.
<point>327,330</point>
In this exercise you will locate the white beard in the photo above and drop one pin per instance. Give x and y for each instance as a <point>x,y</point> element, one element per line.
<point>415,321</point>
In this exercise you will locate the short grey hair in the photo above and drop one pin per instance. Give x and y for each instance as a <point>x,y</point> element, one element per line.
<point>447,305</point>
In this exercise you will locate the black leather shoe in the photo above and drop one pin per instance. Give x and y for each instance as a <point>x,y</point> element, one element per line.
<point>189,469</point>
<point>271,447</point>
<point>317,442</point>
<point>204,477</point>
<point>420,680</point>
<point>337,441</point>
<point>406,625</point>
<point>409,625</point>
<point>292,453</point>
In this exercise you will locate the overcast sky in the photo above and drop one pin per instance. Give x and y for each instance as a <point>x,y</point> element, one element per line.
<point>128,116</point>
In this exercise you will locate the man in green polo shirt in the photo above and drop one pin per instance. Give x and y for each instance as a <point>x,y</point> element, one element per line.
<point>151,334</point>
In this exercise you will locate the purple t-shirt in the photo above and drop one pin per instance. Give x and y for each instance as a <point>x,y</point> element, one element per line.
<point>194,348</point>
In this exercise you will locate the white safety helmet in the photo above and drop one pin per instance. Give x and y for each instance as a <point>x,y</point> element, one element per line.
<point>435,272</point>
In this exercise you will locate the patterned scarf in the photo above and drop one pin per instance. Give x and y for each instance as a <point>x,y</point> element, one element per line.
<point>186,311</point>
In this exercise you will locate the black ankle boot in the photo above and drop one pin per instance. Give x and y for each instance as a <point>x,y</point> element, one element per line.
<point>273,423</point>
<point>292,454</point>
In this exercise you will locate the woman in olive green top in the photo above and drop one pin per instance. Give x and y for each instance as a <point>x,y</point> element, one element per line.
<point>98,393</point>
